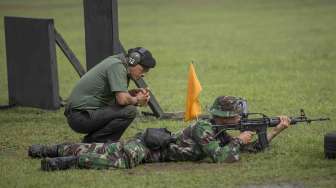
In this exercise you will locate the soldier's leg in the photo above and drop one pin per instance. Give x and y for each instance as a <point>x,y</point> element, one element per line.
<point>59,163</point>
<point>111,132</point>
<point>39,151</point>
<point>112,157</point>
<point>91,121</point>
<point>97,161</point>
<point>115,127</point>
<point>84,148</point>
<point>115,155</point>
<point>62,150</point>
<point>88,161</point>
<point>118,155</point>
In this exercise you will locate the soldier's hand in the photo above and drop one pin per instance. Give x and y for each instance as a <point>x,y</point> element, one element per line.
<point>147,99</point>
<point>134,92</point>
<point>147,94</point>
<point>246,137</point>
<point>284,124</point>
<point>142,99</point>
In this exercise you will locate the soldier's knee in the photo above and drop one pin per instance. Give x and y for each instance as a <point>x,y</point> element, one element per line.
<point>130,111</point>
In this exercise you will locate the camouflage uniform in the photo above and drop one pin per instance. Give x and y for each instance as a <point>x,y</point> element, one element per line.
<point>194,143</point>
<point>106,155</point>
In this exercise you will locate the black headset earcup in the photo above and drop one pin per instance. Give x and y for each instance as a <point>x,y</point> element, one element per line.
<point>134,58</point>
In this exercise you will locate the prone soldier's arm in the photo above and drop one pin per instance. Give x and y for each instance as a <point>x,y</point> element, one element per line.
<point>204,136</point>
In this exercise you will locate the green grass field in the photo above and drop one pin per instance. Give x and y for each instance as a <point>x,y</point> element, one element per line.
<point>279,55</point>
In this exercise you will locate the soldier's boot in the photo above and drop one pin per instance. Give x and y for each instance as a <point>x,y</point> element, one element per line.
<point>39,151</point>
<point>59,163</point>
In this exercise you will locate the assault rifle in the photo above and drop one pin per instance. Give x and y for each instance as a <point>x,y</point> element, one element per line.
<point>260,125</point>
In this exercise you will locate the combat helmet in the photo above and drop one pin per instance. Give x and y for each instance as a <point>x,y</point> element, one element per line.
<point>228,106</point>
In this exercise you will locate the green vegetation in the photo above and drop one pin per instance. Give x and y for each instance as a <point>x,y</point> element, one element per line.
<point>280,55</point>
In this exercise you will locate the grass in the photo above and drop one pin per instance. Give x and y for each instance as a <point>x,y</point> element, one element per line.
<point>280,55</point>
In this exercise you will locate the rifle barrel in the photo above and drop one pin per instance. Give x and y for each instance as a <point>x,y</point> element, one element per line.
<point>269,122</point>
<point>300,119</point>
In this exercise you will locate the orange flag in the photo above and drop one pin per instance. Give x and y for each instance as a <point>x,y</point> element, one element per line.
<point>193,107</point>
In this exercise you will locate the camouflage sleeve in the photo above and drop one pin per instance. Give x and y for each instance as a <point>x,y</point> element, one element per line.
<point>203,135</point>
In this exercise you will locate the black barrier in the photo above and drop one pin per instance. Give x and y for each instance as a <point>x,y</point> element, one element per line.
<point>31,63</point>
<point>101,30</point>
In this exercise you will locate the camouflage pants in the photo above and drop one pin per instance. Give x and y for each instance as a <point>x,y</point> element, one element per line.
<point>106,155</point>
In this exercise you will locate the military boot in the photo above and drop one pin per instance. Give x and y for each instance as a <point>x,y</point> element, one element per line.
<point>39,151</point>
<point>59,163</point>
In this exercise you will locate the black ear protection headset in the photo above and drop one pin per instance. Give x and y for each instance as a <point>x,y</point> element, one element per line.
<point>242,105</point>
<point>135,56</point>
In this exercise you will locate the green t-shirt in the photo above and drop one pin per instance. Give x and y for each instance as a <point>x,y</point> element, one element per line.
<point>97,87</point>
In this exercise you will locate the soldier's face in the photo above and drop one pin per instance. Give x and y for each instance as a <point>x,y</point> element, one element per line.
<point>137,72</point>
